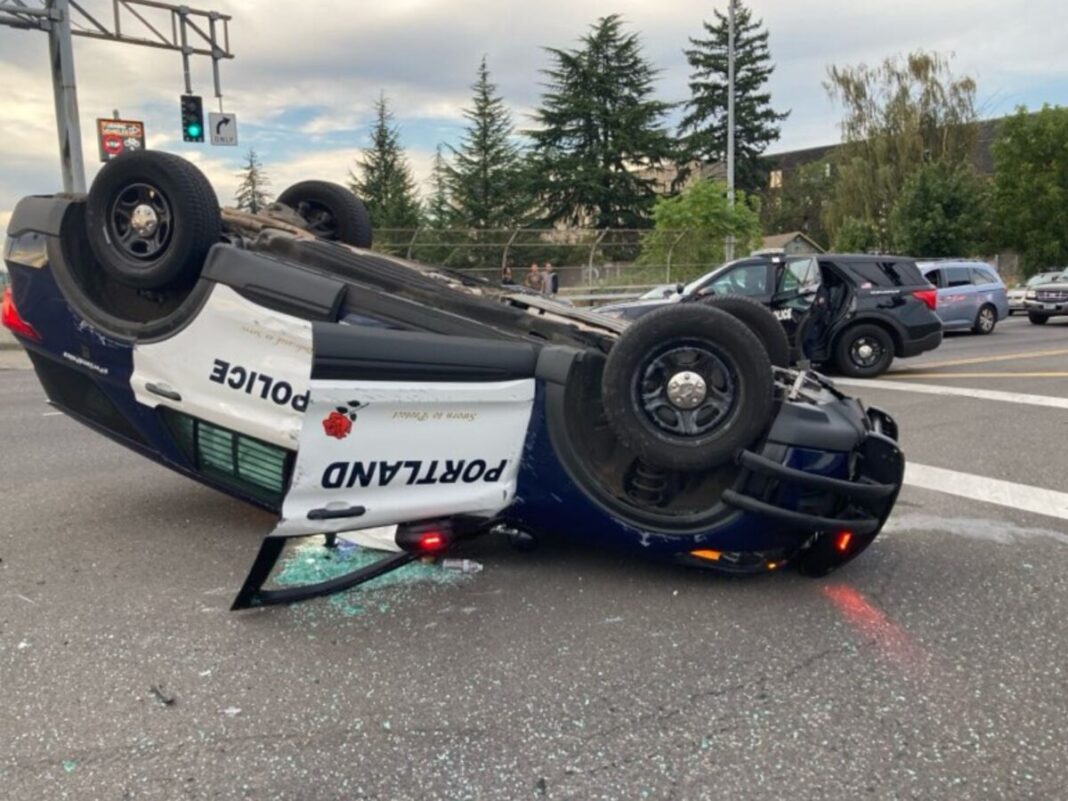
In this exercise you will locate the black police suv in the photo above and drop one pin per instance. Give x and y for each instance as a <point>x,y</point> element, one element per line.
<point>852,312</point>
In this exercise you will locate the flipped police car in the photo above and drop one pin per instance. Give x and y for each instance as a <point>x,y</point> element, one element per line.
<point>1045,300</point>
<point>276,358</point>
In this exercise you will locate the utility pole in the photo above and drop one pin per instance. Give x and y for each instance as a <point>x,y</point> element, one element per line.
<point>164,25</point>
<point>729,250</point>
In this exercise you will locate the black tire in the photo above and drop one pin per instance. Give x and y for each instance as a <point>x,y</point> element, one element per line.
<point>850,357</point>
<point>332,212</point>
<point>698,339</point>
<point>760,321</point>
<point>986,320</point>
<point>178,214</point>
<point>1037,318</point>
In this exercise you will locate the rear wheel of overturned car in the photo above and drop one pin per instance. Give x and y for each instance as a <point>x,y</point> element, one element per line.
<point>150,220</point>
<point>986,320</point>
<point>760,321</point>
<point>687,386</point>
<point>864,351</point>
<point>1037,318</point>
<point>331,211</point>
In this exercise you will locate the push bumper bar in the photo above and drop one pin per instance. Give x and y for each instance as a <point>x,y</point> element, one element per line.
<point>860,504</point>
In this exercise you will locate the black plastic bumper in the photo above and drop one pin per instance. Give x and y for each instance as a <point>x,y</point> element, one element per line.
<point>859,504</point>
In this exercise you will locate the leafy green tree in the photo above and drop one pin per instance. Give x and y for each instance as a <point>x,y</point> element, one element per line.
<point>1030,193</point>
<point>252,194</point>
<point>899,115</point>
<point>855,235</point>
<point>940,212</point>
<point>483,178</point>
<point>799,204</point>
<point>756,123</point>
<point>692,227</point>
<point>600,131</point>
<point>383,178</point>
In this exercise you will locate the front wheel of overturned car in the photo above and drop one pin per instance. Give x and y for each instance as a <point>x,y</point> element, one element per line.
<point>761,321</point>
<point>151,218</point>
<point>864,351</point>
<point>687,386</point>
<point>331,211</point>
<point>1037,318</point>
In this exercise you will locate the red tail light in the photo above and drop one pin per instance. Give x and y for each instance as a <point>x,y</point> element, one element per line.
<point>11,319</point>
<point>928,296</point>
<point>431,541</point>
<point>842,541</point>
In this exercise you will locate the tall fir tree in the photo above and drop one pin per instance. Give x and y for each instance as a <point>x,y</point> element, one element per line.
<point>383,178</point>
<point>484,174</point>
<point>704,124</point>
<point>252,194</point>
<point>437,212</point>
<point>601,133</point>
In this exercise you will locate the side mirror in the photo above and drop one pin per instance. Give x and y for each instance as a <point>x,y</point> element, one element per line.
<point>679,287</point>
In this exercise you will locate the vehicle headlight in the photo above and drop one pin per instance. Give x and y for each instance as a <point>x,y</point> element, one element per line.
<point>1031,294</point>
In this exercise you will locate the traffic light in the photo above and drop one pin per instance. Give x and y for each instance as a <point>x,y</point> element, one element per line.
<point>192,118</point>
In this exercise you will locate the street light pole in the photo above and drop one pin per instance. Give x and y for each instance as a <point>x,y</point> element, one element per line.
<point>730,119</point>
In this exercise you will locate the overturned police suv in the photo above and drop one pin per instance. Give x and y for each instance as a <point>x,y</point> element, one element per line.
<point>276,358</point>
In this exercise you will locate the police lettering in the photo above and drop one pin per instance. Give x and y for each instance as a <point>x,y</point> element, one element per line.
<point>347,475</point>
<point>256,384</point>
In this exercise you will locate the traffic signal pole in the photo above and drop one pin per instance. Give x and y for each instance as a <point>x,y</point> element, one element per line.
<point>55,17</point>
<point>68,125</point>
<point>730,119</point>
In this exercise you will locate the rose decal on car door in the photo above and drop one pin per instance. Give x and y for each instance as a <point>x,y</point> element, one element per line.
<point>338,424</point>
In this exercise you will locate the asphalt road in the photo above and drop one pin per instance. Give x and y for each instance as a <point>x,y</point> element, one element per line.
<point>935,666</point>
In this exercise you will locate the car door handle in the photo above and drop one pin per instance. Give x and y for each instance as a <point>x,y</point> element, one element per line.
<point>163,391</point>
<point>336,514</point>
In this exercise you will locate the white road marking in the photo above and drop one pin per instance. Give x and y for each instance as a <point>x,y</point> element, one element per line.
<point>964,392</point>
<point>988,490</point>
<point>50,414</point>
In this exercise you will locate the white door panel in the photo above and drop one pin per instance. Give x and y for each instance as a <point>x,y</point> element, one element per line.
<point>406,451</point>
<point>237,364</point>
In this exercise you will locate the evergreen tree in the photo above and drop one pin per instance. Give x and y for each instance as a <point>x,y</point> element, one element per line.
<point>483,178</point>
<point>252,195</point>
<point>601,133</point>
<point>438,209</point>
<point>383,178</point>
<point>756,124</point>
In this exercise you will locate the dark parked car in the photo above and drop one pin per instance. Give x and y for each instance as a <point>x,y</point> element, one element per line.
<point>1047,300</point>
<point>855,312</point>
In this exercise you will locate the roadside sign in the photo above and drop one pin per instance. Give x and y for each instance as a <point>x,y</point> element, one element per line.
<point>115,137</point>
<point>223,128</point>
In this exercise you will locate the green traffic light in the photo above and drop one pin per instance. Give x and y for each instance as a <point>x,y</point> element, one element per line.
<point>193,130</point>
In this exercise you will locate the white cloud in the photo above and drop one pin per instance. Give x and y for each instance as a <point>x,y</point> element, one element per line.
<point>305,76</point>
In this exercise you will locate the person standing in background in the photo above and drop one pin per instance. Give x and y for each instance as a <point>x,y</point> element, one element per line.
<point>506,276</point>
<point>533,279</point>
<point>550,281</point>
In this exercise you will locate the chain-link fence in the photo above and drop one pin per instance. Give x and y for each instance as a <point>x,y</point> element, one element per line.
<point>593,265</point>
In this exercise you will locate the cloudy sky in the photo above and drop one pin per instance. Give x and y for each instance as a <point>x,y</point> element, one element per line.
<point>306,74</point>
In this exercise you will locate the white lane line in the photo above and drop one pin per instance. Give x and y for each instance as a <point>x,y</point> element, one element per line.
<point>988,490</point>
<point>964,392</point>
<point>50,414</point>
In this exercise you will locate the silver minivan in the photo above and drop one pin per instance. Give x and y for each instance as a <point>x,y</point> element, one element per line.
<point>970,294</point>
